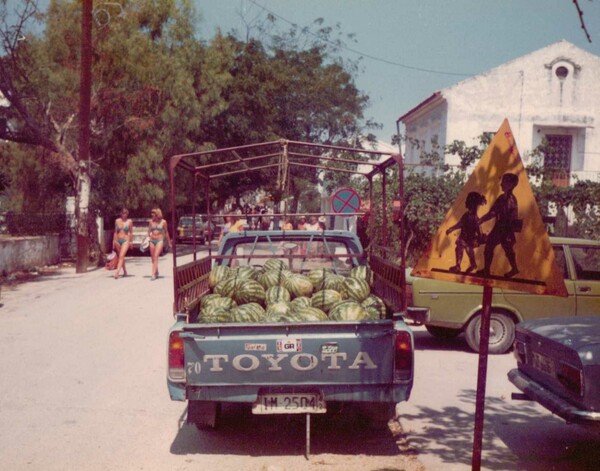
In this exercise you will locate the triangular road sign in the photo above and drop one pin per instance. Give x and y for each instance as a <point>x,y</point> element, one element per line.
<point>493,235</point>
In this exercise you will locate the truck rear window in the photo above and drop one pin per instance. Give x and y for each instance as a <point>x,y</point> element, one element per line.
<point>299,256</point>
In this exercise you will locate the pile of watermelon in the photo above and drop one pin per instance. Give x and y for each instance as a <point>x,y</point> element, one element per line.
<point>272,293</point>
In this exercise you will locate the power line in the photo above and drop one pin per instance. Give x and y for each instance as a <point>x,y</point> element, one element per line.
<point>360,53</point>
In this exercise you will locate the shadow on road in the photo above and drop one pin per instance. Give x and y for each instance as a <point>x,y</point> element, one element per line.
<point>243,433</point>
<point>539,442</point>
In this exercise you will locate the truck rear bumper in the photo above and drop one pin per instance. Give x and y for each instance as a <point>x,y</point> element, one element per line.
<point>248,394</point>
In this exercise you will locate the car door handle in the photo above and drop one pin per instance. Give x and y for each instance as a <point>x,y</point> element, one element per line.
<point>584,289</point>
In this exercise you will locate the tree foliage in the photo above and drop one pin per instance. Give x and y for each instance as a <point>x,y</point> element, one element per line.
<point>158,91</point>
<point>432,187</point>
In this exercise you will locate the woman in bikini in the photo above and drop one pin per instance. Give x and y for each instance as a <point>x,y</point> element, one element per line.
<point>122,239</point>
<point>158,233</point>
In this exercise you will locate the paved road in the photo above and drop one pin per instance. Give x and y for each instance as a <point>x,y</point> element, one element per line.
<point>82,362</point>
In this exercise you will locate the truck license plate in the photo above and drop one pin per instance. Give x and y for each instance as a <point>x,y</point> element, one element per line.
<point>289,404</point>
<point>543,363</point>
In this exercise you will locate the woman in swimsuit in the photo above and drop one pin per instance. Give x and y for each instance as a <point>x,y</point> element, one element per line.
<point>122,239</point>
<point>158,233</point>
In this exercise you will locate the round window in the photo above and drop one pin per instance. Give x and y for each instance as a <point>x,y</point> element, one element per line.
<point>561,72</point>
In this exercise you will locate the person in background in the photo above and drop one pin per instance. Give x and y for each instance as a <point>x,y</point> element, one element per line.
<point>122,240</point>
<point>233,224</point>
<point>312,224</point>
<point>322,223</point>
<point>158,233</point>
<point>301,223</point>
<point>287,225</point>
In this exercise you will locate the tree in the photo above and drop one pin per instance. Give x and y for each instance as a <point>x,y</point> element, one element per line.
<point>141,109</point>
<point>431,188</point>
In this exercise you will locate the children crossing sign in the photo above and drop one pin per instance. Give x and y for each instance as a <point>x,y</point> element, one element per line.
<point>493,235</point>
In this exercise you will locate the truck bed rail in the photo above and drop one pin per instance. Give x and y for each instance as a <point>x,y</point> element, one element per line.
<point>191,283</point>
<point>388,282</point>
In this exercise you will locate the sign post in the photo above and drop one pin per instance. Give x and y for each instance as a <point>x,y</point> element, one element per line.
<point>493,236</point>
<point>345,202</point>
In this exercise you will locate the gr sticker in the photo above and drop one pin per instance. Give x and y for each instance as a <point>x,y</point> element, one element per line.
<point>289,345</point>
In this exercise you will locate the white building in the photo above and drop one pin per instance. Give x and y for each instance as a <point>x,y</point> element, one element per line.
<point>553,92</point>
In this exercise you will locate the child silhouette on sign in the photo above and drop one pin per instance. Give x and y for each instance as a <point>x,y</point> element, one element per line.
<point>506,211</point>
<point>470,233</point>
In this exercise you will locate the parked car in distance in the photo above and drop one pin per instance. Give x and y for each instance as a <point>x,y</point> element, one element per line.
<point>140,230</point>
<point>448,309</point>
<point>558,366</point>
<point>184,232</point>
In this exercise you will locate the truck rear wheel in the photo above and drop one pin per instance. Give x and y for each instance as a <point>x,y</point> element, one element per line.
<point>442,332</point>
<point>205,415</point>
<point>502,332</point>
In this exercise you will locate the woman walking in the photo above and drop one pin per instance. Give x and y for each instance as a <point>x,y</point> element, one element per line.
<point>122,239</point>
<point>158,233</point>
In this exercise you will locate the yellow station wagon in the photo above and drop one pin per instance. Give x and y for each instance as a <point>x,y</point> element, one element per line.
<point>448,309</point>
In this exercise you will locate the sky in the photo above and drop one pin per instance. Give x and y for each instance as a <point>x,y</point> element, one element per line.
<point>413,48</point>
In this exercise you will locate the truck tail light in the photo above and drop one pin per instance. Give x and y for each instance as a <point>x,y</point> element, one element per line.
<point>176,361</point>
<point>403,356</point>
<point>570,377</point>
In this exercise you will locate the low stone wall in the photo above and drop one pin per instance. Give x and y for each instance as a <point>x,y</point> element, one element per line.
<point>25,253</point>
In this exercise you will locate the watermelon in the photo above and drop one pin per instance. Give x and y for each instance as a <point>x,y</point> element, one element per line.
<point>374,313</point>
<point>218,273</point>
<point>249,291</point>
<point>251,312</point>
<point>349,311</point>
<point>277,312</point>
<point>207,297</point>
<point>376,303</point>
<point>277,293</point>
<point>243,271</point>
<point>215,315</point>
<point>363,272</point>
<point>325,299</point>
<point>309,314</point>
<point>273,278</point>
<point>220,301</point>
<point>317,277</point>
<point>300,301</point>
<point>355,288</point>
<point>299,285</point>
<point>333,281</point>
<point>228,286</point>
<point>275,264</point>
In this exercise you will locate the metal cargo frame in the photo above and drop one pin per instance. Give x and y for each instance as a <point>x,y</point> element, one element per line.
<point>281,155</point>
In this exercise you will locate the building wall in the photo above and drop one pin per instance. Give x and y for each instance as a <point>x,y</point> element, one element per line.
<point>25,253</point>
<point>532,96</point>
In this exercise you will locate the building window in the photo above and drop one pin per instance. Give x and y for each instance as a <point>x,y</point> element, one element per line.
<point>557,158</point>
<point>561,72</point>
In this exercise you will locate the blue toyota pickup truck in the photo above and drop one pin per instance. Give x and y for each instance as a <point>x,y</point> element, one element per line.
<point>288,366</point>
<point>288,321</point>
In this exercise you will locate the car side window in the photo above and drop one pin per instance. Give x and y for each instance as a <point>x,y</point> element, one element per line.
<point>587,262</point>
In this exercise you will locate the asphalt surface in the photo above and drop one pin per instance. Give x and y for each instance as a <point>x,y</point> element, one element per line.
<point>82,387</point>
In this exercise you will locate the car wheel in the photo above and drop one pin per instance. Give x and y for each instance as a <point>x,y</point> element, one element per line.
<point>442,332</point>
<point>502,333</point>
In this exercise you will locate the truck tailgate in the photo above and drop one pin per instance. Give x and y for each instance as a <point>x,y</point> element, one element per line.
<point>282,354</point>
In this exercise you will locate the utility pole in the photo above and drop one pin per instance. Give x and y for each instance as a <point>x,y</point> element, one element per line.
<point>83,169</point>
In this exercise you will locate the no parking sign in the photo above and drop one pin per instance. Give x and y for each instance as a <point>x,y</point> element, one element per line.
<point>345,201</point>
